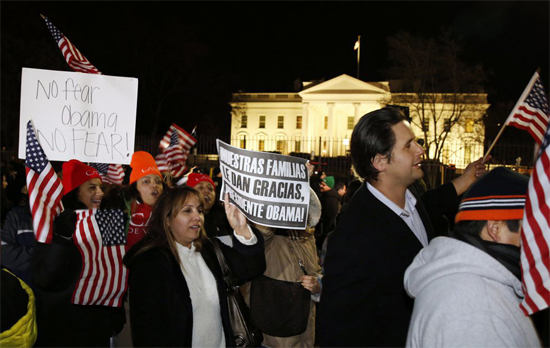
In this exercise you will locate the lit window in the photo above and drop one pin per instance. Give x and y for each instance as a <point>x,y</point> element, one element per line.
<point>351,120</point>
<point>298,122</point>
<point>242,141</point>
<point>326,122</point>
<point>261,145</point>
<point>244,121</point>
<point>262,121</point>
<point>297,146</point>
<point>469,125</point>
<point>280,146</point>
<point>426,125</point>
<point>280,122</point>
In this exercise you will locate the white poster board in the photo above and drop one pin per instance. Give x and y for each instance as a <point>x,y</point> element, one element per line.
<point>269,189</point>
<point>87,117</point>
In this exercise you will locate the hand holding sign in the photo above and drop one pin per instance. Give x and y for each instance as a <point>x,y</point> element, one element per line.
<point>236,219</point>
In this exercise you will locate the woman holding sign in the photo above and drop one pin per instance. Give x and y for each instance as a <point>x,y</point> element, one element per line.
<point>57,268</point>
<point>178,292</point>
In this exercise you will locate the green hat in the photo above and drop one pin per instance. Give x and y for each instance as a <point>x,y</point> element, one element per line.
<point>329,180</point>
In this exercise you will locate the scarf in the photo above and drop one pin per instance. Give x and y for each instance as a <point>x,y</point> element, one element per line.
<point>137,229</point>
<point>508,255</point>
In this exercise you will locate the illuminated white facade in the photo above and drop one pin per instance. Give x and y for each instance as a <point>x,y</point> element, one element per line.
<point>320,119</point>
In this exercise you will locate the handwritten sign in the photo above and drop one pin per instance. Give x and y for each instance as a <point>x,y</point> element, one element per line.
<point>87,117</point>
<point>269,189</point>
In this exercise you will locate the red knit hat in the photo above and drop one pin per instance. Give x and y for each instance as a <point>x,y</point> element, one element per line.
<point>142,164</point>
<point>75,173</point>
<point>195,178</point>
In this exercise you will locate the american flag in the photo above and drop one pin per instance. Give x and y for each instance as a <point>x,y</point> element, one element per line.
<point>100,236</point>
<point>531,110</point>
<point>110,173</point>
<point>72,55</point>
<point>174,149</point>
<point>535,237</point>
<point>44,186</point>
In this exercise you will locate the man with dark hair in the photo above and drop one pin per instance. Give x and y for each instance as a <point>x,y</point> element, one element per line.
<point>378,235</point>
<point>468,287</point>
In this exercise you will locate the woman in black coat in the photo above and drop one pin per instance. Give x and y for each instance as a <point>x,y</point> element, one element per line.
<point>56,269</point>
<point>178,296</point>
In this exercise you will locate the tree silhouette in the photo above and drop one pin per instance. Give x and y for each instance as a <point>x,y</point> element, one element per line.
<point>438,87</point>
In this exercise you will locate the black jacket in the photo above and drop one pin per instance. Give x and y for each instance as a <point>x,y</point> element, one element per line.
<point>161,314</point>
<point>364,303</point>
<point>56,268</point>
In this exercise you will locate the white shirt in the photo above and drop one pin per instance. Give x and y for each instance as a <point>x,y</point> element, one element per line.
<point>409,214</point>
<point>207,320</point>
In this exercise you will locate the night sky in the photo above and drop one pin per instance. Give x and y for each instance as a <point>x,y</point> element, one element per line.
<point>224,47</point>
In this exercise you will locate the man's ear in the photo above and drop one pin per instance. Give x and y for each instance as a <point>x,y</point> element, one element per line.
<point>379,162</point>
<point>493,230</point>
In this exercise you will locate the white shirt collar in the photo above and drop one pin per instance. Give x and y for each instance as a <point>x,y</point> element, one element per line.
<point>409,198</point>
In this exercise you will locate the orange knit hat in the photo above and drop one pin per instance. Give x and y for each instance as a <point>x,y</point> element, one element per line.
<point>75,173</point>
<point>143,164</point>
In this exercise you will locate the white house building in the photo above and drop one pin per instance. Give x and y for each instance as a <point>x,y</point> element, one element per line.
<point>319,120</point>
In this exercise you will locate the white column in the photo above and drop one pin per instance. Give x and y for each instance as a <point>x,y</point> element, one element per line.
<point>307,126</point>
<point>330,128</point>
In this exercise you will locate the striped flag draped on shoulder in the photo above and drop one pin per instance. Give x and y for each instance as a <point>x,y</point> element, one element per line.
<point>44,187</point>
<point>100,237</point>
<point>535,236</point>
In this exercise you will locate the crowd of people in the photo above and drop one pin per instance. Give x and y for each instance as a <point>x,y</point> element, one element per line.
<point>380,263</point>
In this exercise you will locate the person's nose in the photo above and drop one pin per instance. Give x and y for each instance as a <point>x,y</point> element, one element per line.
<point>420,149</point>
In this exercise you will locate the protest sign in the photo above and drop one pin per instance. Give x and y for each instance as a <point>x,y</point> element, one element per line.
<point>269,189</point>
<point>87,117</point>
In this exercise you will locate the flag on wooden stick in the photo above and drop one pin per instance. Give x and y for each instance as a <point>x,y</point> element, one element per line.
<point>44,187</point>
<point>531,110</point>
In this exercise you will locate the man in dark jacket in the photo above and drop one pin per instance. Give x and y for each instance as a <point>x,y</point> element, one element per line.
<point>331,203</point>
<point>383,227</point>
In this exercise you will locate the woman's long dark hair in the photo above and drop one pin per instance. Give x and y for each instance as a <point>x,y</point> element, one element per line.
<point>167,207</point>
<point>71,201</point>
